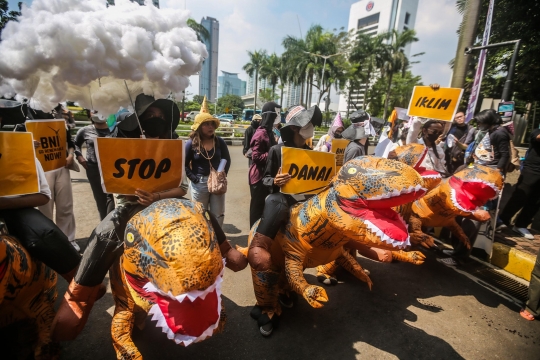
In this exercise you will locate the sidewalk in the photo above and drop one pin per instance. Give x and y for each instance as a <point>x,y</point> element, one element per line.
<point>514,253</point>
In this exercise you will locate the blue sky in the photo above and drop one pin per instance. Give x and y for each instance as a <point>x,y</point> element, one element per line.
<point>262,24</point>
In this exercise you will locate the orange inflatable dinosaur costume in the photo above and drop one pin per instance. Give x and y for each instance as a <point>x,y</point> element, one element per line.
<point>459,195</point>
<point>356,206</point>
<point>172,268</point>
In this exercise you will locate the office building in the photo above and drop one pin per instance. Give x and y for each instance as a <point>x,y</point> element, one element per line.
<point>263,84</point>
<point>291,95</point>
<point>208,77</point>
<point>140,2</point>
<point>230,84</point>
<point>373,17</point>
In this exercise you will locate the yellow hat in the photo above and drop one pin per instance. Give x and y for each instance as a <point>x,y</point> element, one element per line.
<point>203,116</point>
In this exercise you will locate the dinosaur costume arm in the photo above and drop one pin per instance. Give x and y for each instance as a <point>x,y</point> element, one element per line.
<point>417,235</point>
<point>314,295</point>
<point>459,233</point>
<point>121,327</point>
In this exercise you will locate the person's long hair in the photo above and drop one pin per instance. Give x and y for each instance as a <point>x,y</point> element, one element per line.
<point>433,145</point>
<point>196,142</point>
<point>488,117</point>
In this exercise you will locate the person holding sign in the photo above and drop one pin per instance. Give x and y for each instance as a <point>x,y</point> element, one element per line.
<point>430,134</point>
<point>299,127</point>
<point>325,142</point>
<point>356,134</point>
<point>206,150</point>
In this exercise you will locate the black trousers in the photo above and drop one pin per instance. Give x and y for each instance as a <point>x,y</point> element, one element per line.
<point>259,192</point>
<point>104,201</point>
<point>41,238</point>
<point>526,197</point>
<point>471,229</point>
<point>275,214</point>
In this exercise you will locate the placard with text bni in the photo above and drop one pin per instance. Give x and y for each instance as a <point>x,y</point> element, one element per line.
<point>338,148</point>
<point>151,165</point>
<point>310,170</point>
<point>18,173</point>
<point>52,138</point>
<point>439,104</point>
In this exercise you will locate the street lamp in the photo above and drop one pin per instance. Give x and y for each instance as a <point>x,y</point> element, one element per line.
<point>325,57</point>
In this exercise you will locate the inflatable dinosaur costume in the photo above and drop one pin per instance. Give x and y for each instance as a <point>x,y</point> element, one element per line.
<point>27,291</point>
<point>356,206</point>
<point>412,155</point>
<point>459,195</point>
<point>172,268</point>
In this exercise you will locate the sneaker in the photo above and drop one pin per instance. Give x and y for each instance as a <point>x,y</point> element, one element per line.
<point>266,330</point>
<point>287,300</point>
<point>500,225</point>
<point>75,245</point>
<point>523,232</point>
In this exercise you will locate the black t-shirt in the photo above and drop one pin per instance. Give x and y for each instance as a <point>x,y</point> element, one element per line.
<point>459,131</point>
<point>532,161</point>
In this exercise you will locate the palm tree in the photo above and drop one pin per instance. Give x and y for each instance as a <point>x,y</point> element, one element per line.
<point>270,70</point>
<point>283,77</point>
<point>252,68</point>
<point>201,31</point>
<point>396,61</point>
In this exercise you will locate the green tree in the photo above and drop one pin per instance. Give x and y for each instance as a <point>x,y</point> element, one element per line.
<point>233,103</point>
<point>253,67</point>
<point>201,31</point>
<point>396,61</point>
<point>267,95</point>
<point>7,15</point>
<point>270,70</point>
<point>198,99</point>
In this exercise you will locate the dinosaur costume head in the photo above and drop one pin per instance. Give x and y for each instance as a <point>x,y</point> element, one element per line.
<point>474,186</point>
<point>172,263</point>
<point>368,187</point>
<point>413,155</point>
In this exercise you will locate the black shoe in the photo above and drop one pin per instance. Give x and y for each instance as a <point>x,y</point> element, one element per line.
<point>256,312</point>
<point>448,252</point>
<point>327,280</point>
<point>287,300</point>
<point>266,330</point>
<point>267,325</point>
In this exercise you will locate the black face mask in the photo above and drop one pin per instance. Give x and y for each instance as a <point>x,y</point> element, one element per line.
<point>154,127</point>
<point>338,136</point>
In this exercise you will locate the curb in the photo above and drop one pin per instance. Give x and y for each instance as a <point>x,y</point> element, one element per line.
<point>516,262</point>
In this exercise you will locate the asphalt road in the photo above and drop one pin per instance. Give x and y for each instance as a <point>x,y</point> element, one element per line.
<point>413,312</point>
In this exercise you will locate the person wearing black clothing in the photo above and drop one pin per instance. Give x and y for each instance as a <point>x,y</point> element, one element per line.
<point>87,134</point>
<point>526,196</point>
<point>461,135</point>
<point>499,138</point>
<point>248,134</point>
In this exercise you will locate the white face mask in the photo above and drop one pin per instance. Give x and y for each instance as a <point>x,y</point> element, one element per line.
<point>307,131</point>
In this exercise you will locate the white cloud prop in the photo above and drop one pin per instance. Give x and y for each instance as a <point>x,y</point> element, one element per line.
<point>71,49</point>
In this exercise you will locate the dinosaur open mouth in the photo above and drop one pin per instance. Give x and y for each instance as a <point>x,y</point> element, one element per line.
<point>422,157</point>
<point>392,198</point>
<point>469,195</point>
<point>385,223</point>
<point>186,318</point>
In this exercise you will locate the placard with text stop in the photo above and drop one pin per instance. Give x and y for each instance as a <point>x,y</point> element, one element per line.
<point>441,104</point>
<point>51,135</point>
<point>152,165</point>
<point>310,170</point>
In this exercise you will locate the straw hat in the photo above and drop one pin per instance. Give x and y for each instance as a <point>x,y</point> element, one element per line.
<point>204,116</point>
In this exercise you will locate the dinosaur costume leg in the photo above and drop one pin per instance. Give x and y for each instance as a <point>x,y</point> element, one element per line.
<point>417,235</point>
<point>314,295</point>
<point>458,232</point>
<point>325,273</point>
<point>351,265</point>
<point>413,257</point>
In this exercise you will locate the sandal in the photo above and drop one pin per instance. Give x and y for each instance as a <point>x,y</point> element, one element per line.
<point>526,315</point>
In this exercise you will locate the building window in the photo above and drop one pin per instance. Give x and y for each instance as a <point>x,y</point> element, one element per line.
<point>405,28</point>
<point>368,20</point>
<point>407,18</point>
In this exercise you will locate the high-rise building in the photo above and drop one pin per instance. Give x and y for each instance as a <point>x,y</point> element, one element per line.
<point>373,17</point>
<point>209,74</point>
<point>291,95</point>
<point>140,2</point>
<point>263,84</point>
<point>230,84</point>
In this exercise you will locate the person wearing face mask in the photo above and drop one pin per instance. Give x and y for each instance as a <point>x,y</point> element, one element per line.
<point>299,127</point>
<point>499,138</point>
<point>356,134</point>
<point>325,142</point>
<point>459,137</point>
<point>248,135</point>
<point>261,142</point>
<point>431,135</point>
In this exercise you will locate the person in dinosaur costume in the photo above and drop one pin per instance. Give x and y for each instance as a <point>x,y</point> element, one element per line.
<point>27,291</point>
<point>356,206</point>
<point>412,155</point>
<point>459,195</point>
<point>171,268</point>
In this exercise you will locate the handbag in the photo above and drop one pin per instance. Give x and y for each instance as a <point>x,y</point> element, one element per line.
<point>217,180</point>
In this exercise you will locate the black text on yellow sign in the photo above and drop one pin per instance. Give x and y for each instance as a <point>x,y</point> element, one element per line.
<point>152,165</point>
<point>310,170</point>
<point>52,138</point>
<point>441,104</point>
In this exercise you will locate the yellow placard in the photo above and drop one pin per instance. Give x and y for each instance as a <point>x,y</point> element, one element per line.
<point>439,104</point>
<point>51,135</point>
<point>152,165</point>
<point>310,170</point>
<point>338,148</point>
<point>18,174</point>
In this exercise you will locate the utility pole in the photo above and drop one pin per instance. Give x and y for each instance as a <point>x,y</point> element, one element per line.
<point>466,39</point>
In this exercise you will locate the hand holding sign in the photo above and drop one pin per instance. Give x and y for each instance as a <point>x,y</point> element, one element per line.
<point>281,179</point>
<point>434,102</point>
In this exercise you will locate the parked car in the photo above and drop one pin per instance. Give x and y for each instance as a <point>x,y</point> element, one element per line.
<point>191,115</point>
<point>225,122</point>
<point>226,117</point>
<point>184,116</point>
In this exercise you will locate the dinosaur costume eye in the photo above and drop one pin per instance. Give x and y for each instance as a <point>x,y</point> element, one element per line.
<point>352,171</point>
<point>131,237</point>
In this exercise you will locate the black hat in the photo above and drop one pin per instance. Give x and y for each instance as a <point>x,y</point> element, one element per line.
<point>359,116</point>
<point>355,131</point>
<point>298,116</point>
<point>143,102</point>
